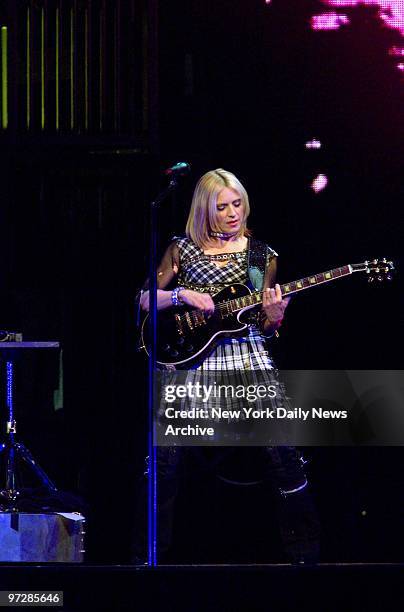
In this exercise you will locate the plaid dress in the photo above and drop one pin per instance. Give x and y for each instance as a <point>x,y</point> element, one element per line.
<point>200,273</point>
<point>235,363</point>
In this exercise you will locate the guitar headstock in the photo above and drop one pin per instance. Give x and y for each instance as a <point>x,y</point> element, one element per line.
<point>376,269</point>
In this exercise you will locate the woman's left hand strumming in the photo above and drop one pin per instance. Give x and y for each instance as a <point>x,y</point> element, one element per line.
<point>273,304</point>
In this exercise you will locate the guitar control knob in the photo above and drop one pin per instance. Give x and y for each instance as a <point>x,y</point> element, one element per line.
<point>174,353</point>
<point>166,348</point>
<point>190,348</point>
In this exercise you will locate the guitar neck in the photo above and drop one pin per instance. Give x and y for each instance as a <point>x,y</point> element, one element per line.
<point>316,279</point>
<point>294,287</point>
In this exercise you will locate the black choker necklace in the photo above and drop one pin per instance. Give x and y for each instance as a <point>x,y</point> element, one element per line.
<point>222,234</point>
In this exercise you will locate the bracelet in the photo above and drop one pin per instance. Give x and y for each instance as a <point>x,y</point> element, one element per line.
<point>275,333</point>
<point>175,298</point>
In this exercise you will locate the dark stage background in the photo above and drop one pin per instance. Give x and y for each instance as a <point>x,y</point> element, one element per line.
<point>113,93</point>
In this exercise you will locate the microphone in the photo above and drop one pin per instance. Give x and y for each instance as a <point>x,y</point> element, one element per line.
<point>179,169</point>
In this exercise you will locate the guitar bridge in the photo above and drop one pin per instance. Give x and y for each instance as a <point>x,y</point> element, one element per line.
<point>198,319</point>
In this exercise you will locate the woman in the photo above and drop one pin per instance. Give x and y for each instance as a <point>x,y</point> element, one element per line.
<point>217,226</point>
<point>218,250</point>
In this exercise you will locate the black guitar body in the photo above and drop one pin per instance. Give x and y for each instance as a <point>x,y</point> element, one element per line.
<point>185,336</point>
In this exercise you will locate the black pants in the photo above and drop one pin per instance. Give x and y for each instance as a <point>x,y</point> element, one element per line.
<point>283,467</point>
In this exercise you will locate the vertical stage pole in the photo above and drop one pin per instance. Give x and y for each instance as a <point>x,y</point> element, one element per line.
<point>152,467</point>
<point>152,492</point>
<point>11,429</point>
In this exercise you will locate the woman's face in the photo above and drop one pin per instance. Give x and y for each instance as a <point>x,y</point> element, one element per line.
<point>230,210</point>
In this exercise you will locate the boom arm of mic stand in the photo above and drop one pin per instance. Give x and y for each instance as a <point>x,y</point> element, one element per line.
<point>165,193</point>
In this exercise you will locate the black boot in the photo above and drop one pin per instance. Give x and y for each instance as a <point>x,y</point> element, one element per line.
<point>300,527</point>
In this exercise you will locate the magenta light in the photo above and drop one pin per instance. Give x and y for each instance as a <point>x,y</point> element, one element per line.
<point>313,144</point>
<point>342,2</point>
<point>319,183</point>
<point>397,51</point>
<point>328,21</point>
<point>400,66</point>
<point>391,12</point>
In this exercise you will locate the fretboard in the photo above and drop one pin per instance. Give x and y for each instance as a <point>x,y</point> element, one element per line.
<point>249,301</point>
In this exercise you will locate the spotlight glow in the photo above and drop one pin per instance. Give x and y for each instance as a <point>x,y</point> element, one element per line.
<point>319,183</point>
<point>313,144</point>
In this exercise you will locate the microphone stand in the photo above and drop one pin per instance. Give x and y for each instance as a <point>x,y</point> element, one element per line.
<point>152,466</point>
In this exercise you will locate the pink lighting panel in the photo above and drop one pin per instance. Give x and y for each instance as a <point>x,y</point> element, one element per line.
<point>328,21</point>
<point>391,12</point>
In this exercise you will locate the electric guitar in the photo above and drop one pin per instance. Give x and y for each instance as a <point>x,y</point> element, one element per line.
<point>185,335</point>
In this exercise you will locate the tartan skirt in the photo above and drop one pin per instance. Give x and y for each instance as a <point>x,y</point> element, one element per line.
<point>232,371</point>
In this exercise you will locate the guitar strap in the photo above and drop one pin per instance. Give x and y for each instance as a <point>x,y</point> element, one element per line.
<point>259,258</point>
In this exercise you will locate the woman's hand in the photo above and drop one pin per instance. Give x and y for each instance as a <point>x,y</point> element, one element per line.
<point>201,301</point>
<point>145,301</point>
<point>273,304</point>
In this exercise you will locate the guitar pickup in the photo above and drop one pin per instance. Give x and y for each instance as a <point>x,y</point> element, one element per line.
<point>179,324</point>
<point>188,318</point>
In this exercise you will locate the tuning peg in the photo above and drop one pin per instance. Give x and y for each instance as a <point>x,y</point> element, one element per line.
<point>389,277</point>
<point>371,279</point>
<point>380,278</point>
<point>375,262</point>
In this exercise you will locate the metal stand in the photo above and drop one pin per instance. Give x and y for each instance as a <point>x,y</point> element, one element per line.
<point>152,473</point>
<point>11,449</point>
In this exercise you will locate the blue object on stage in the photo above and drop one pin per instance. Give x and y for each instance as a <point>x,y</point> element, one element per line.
<point>40,538</point>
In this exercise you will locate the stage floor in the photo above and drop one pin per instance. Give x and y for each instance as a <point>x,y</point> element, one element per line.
<point>346,587</point>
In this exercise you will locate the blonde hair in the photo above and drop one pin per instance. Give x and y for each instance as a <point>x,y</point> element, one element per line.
<point>202,218</point>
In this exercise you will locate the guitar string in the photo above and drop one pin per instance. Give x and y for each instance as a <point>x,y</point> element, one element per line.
<point>224,307</point>
<point>233,306</point>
